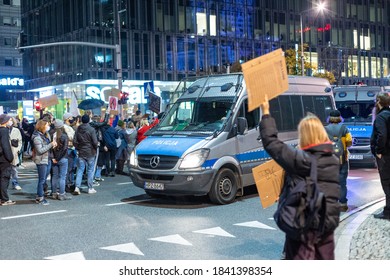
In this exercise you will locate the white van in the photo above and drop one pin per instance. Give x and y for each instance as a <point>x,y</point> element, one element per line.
<point>207,143</point>
<point>355,104</point>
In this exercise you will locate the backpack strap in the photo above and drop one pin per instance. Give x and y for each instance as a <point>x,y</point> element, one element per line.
<point>320,202</point>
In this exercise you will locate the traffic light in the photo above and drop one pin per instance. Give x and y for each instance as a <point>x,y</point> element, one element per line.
<point>123,97</point>
<point>37,106</point>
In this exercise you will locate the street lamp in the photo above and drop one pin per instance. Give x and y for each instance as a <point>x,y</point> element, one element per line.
<point>319,8</point>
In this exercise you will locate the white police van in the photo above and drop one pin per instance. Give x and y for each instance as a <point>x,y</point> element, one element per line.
<point>207,143</point>
<point>355,104</point>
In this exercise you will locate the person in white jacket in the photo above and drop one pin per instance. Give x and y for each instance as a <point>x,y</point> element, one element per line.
<point>16,147</point>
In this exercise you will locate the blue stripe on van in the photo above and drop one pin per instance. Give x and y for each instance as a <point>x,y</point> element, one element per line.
<point>257,155</point>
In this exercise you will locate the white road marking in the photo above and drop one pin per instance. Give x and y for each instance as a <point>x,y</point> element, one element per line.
<point>214,231</point>
<point>71,256</point>
<point>175,238</point>
<point>128,202</point>
<point>125,248</point>
<point>34,214</point>
<point>125,183</point>
<point>255,224</point>
<point>376,180</point>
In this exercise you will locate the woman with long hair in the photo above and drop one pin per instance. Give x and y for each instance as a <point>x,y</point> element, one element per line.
<point>60,162</point>
<point>314,144</point>
<point>42,155</point>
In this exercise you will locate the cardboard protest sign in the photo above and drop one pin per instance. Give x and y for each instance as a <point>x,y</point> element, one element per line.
<point>113,105</point>
<point>154,103</point>
<point>269,178</point>
<point>265,75</point>
<point>111,92</point>
<point>48,101</point>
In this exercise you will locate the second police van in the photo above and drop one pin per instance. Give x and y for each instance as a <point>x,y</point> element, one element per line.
<point>356,104</point>
<point>207,142</point>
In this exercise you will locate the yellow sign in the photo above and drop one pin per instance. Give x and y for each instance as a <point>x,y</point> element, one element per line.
<point>269,178</point>
<point>265,75</point>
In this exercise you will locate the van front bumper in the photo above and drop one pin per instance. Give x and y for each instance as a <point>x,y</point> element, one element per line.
<point>174,183</point>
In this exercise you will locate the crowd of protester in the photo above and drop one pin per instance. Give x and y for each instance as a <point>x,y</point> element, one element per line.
<point>69,153</point>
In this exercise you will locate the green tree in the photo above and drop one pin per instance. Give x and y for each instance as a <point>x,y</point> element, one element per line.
<point>236,67</point>
<point>327,75</point>
<point>293,61</point>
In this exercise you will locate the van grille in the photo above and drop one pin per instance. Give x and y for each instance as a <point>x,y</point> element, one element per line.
<point>158,162</point>
<point>358,141</point>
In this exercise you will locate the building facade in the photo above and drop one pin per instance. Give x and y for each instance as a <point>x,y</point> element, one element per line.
<point>11,70</point>
<point>167,40</point>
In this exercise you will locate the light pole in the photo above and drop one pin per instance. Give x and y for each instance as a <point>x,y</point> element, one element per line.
<point>320,7</point>
<point>118,51</point>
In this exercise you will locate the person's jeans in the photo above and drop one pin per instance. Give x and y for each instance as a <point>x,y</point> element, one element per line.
<point>81,165</point>
<point>60,170</point>
<point>14,176</point>
<point>344,168</point>
<point>72,162</point>
<point>43,172</point>
<point>98,173</point>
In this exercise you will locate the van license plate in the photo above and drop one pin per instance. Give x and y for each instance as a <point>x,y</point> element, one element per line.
<point>355,156</point>
<point>154,186</point>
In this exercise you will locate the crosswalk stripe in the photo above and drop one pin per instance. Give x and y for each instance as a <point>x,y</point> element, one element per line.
<point>129,248</point>
<point>354,178</point>
<point>33,214</point>
<point>175,238</point>
<point>214,231</point>
<point>255,224</point>
<point>70,256</point>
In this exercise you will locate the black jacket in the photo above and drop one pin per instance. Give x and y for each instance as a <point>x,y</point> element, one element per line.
<point>6,155</point>
<point>61,151</point>
<point>85,141</point>
<point>297,162</point>
<point>380,137</point>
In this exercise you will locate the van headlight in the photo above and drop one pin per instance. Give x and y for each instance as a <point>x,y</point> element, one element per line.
<point>194,159</point>
<point>133,159</point>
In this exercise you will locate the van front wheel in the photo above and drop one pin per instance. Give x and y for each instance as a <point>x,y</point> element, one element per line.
<point>224,188</point>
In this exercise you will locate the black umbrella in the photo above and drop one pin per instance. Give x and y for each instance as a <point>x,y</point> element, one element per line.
<point>90,104</point>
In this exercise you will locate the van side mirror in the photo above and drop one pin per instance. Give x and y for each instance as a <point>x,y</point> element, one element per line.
<point>242,125</point>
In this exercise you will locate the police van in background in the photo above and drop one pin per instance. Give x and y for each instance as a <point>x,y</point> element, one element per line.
<point>207,142</point>
<point>356,104</point>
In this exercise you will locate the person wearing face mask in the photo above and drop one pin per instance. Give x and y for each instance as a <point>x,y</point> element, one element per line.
<point>380,147</point>
<point>42,156</point>
<point>16,146</point>
<point>6,157</point>
<point>72,154</point>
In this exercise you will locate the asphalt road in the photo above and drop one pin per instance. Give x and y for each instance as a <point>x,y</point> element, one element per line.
<point>120,222</point>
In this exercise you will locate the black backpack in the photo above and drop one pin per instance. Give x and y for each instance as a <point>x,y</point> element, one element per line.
<point>302,206</point>
<point>335,137</point>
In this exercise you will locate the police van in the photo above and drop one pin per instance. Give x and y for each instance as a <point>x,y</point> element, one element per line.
<point>356,104</point>
<point>207,142</point>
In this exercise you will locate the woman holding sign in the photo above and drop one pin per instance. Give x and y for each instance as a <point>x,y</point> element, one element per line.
<point>313,143</point>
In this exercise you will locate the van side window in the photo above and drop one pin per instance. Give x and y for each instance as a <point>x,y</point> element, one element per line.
<point>287,111</point>
<point>252,117</point>
<point>318,105</point>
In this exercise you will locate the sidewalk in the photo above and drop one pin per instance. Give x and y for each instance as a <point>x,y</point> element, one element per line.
<point>362,237</point>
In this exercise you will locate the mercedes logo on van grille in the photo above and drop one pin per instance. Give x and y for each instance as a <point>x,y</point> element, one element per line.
<point>154,161</point>
<point>355,141</point>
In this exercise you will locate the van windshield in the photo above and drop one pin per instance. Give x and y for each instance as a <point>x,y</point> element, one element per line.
<point>203,116</point>
<point>356,111</point>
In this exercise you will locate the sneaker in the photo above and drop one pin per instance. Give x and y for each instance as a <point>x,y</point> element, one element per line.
<point>64,197</point>
<point>9,202</point>
<point>95,184</point>
<point>382,216</point>
<point>43,202</point>
<point>91,191</point>
<point>18,188</point>
<point>99,179</point>
<point>76,191</point>
<point>47,192</point>
<point>54,195</point>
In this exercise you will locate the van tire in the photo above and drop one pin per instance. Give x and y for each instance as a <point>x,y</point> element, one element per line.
<point>224,187</point>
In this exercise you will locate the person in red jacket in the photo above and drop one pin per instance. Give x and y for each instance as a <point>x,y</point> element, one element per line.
<point>144,126</point>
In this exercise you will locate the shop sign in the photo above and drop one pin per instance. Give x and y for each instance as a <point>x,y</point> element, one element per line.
<point>11,82</point>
